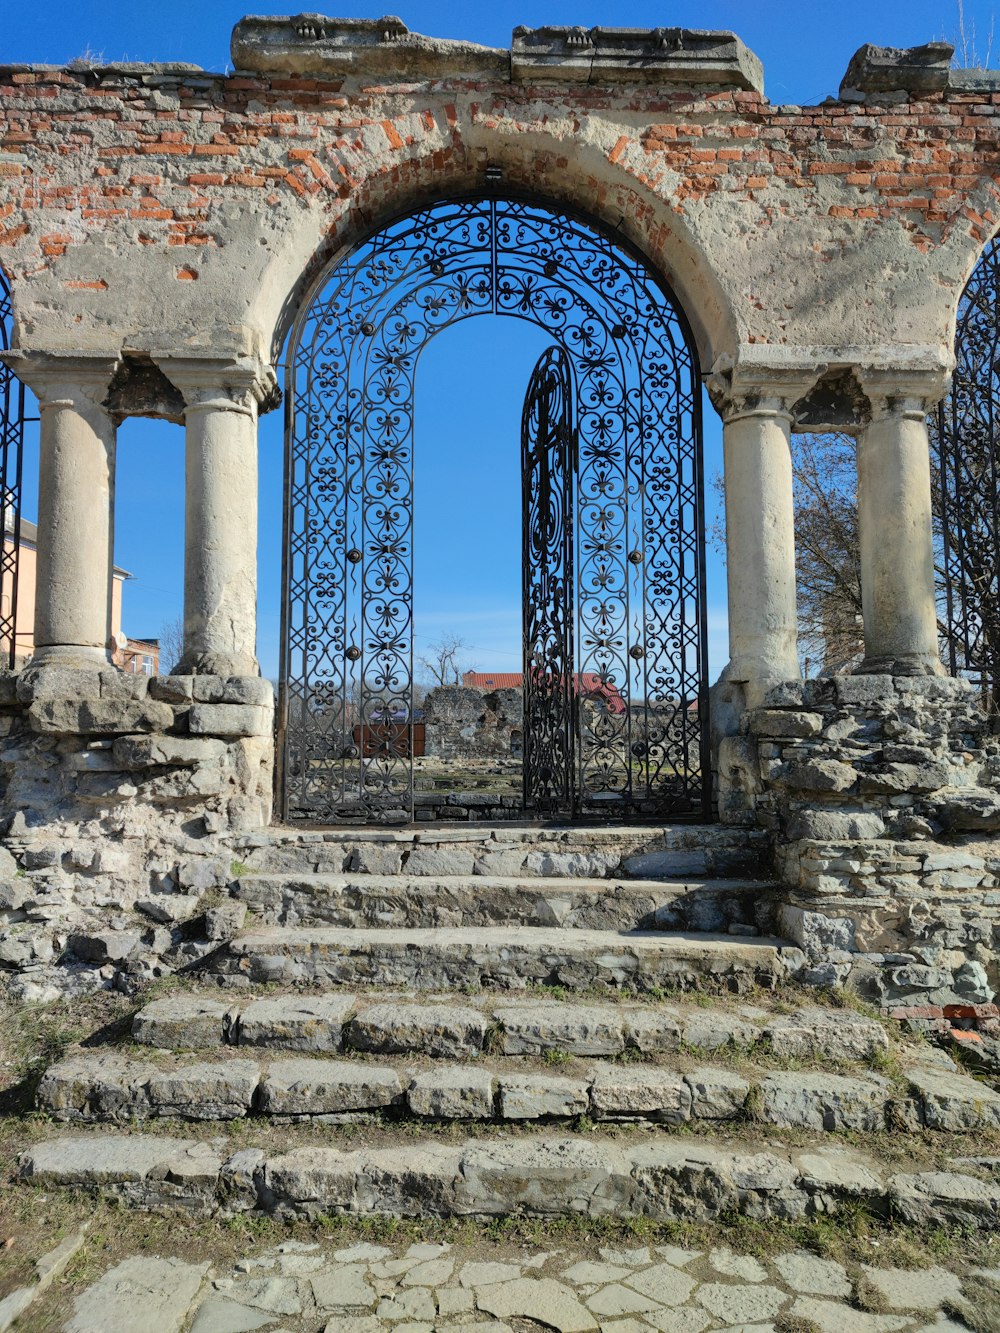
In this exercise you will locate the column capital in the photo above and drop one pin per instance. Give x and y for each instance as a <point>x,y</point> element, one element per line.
<point>750,385</point>
<point>221,384</point>
<point>910,392</point>
<point>72,379</point>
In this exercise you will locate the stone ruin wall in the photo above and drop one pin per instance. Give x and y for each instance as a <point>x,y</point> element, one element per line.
<point>463,723</point>
<point>157,212</point>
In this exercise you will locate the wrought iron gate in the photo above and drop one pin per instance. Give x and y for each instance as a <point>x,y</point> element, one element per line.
<point>548,465</point>
<point>12,423</point>
<point>638,669</point>
<point>965,441</point>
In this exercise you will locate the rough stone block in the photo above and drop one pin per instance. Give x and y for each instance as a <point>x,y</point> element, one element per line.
<point>230,720</point>
<point>575,1028</point>
<point>218,1090</point>
<point>823,1101</point>
<point>547,1177</point>
<point>953,1101</point>
<point>295,1023</point>
<point>710,1029</point>
<point>172,689</point>
<point>621,1093</point>
<point>138,752</point>
<point>452,1094</point>
<point>654,1031</point>
<point>440,1031</point>
<point>834,825</point>
<point>716,1094</point>
<point>225,921</point>
<point>534,1096</point>
<point>105,946</point>
<point>99,716</point>
<point>183,1023</point>
<point>327,1087</point>
<point>785,722</point>
<point>836,1034</point>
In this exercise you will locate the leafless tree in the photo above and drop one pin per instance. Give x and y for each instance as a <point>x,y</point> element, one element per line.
<point>827,550</point>
<point>443,664</point>
<point>967,53</point>
<point>171,644</point>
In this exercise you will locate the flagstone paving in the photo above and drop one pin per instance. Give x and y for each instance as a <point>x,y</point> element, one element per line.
<point>329,1287</point>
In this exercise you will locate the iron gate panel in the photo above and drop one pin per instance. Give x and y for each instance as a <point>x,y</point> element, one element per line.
<point>964,442</point>
<point>547,469</point>
<point>12,423</point>
<point>347,615</point>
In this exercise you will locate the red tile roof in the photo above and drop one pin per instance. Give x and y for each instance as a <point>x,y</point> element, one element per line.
<point>587,683</point>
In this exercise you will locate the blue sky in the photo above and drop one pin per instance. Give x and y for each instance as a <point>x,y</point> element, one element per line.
<point>472,378</point>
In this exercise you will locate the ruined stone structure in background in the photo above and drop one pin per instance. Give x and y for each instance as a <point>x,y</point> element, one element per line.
<point>465,723</point>
<point>161,227</point>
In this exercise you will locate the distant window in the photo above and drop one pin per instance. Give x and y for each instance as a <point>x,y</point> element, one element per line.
<point>147,665</point>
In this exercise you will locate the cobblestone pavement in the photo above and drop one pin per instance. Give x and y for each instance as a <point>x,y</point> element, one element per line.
<point>309,1287</point>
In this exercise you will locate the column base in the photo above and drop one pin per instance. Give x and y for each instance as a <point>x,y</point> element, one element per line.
<point>217,664</point>
<point>83,656</point>
<point>907,664</point>
<point>754,677</point>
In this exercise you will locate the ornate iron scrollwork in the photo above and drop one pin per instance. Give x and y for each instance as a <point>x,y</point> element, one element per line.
<point>965,447</point>
<point>12,423</point>
<point>547,468</point>
<point>641,744</point>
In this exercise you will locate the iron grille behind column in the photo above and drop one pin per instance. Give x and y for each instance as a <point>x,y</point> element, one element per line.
<point>547,468</point>
<point>347,694</point>
<point>12,423</point>
<point>966,473</point>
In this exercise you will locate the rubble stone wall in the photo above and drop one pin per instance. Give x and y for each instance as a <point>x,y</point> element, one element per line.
<point>882,796</point>
<point>120,792</point>
<point>463,723</point>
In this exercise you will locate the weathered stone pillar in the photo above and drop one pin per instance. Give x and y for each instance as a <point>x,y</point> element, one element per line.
<point>896,537</point>
<point>75,501</point>
<point>220,542</point>
<point>760,545</point>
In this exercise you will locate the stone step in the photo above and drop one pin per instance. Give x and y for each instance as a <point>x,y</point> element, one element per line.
<point>456,1027</point>
<point>509,957</point>
<point>668,1178</point>
<point>677,851</point>
<point>118,1085</point>
<point>357,899</point>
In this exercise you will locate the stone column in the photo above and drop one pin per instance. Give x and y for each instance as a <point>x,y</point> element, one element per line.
<point>75,497</point>
<point>220,536</point>
<point>760,545</point>
<point>896,536</point>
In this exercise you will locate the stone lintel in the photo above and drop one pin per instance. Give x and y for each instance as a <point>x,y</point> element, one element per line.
<point>890,69</point>
<point>318,44</point>
<point>634,55</point>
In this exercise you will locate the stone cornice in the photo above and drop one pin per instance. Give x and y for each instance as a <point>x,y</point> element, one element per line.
<point>385,48</point>
<point>236,384</point>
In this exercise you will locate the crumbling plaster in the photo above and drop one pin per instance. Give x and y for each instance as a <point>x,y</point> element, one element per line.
<point>759,228</point>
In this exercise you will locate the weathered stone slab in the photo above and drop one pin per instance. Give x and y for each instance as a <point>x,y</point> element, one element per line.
<point>926,1198</point>
<point>104,1159</point>
<point>219,1090</point>
<point>837,1034</point>
<point>138,752</point>
<point>96,1086</point>
<point>547,1177</point>
<point>293,1023</point>
<point>183,1023</point>
<point>146,1294</point>
<point>444,1031</point>
<point>97,717</point>
<point>952,1100</point>
<point>230,720</point>
<point>452,1094</point>
<point>577,1029</point>
<point>312,1180</point>
<point>823,1101</point>
<point>629,1093</point>
<point>535,1096</point>
<point>543,1300</point>
<point>710,1029</point>
<point>716,1094</point>
<point>327,1087</point>
<point>654,1031</point>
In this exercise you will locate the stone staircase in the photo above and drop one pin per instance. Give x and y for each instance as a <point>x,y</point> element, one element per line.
<point>515,1020</point>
